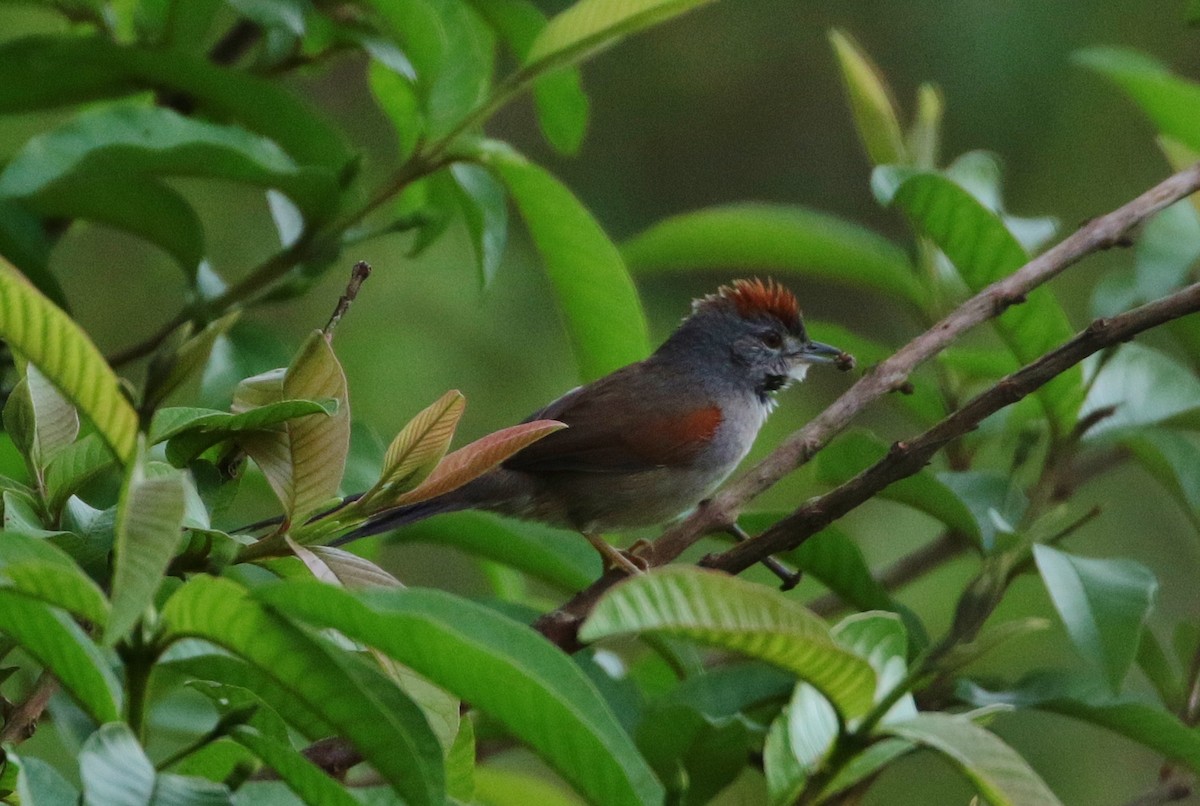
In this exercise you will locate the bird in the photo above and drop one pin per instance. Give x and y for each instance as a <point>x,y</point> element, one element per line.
<point>647,443</point>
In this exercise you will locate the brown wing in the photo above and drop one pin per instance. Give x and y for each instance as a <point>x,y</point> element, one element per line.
<point>616,425</point>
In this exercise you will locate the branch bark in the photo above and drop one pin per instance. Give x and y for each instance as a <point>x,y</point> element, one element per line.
<point>1101,233</point>
<point>22,722</point>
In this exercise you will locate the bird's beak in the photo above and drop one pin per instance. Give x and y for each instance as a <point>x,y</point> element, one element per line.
<point>814,352</point>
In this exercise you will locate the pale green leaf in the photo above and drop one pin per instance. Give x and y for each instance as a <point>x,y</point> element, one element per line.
<point>49,339</point>
<point>1144,385</point>
<point>148,532</point>
<point>592,25</point>
<point>303,461</point>
<point>1104,604</point>
<point>115,769</point>
<point>73,467</point>
<point>997,771</point>
<point>419,446</point>
<point>724,611</point>
<point>875,113</point>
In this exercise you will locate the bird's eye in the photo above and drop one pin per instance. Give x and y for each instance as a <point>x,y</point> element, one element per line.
<point>771,338</point>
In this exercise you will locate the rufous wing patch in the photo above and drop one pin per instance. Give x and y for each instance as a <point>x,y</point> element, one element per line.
<point>675,440</point>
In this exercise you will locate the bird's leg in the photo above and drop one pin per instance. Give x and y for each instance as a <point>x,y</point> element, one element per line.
<point>787,576</point>
<point>612,557</point>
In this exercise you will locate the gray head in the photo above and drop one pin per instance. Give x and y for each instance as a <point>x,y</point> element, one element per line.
<point>754,331</point>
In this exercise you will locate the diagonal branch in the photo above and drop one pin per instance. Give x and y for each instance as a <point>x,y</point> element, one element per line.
<point>907,458</point>
<point>1101,233</point>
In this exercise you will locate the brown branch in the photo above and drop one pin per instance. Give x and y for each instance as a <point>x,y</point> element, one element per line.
<point>906,458</point>
<point>1100,233</point>
<point>22,722</point>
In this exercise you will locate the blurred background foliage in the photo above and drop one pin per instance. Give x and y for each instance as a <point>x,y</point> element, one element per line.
<point>740,100</point>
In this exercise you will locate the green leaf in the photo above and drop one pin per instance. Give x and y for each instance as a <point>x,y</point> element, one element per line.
<point>397,98</point>
<point>485,209</point>
<point>1148,726</point>
<point>544,553</point>
<point>74,467</point>
<point>777,238</point>
<point>63,353</point>
<point>398,743</point>
<point>1167,247</point>
<point>1146,387</point>
<point>44,72</point>
<point>696,755</point>
<point>1173,458</point>
<point>109,144</point>
<point>24,241</point>
<point>562,106</point>
<point>983,250</point>
<point>58,643</point>
<point>589,26</point>
<point>1104,604</point>
<point>39,784</point>
<point>713,608</point>
<point>191,431</point>
<point>868,762</point>
<point>287,15</point>
<point>460,764</point>
<point>41,421</point>
<point>857,450</point>
<point>418,448</point>
<point>597,298</point>
<point>924,138</point>
<point>831,557</point>
<point>997,771</point>
<point>304,461</point>
<point>880,638</point>
<point>1172,103</point>
<point>148,532</point>
<point>133,202</point>
<point>201,662</point>
<point>303,777</point>
<point>167,373</point>
<point>875,114</point>
<point>115,769</point>
<point>797,743</point>
<point>501,667</point>
<point>452,51</point>
<point>117,772</point>
<point>497,786</point>
<point>995,502</point>
<point>350,569</point>
<point>38,569</point>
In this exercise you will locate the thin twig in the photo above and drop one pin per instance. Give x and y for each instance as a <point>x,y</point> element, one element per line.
<point>22,722</point>
<point>358,276</point>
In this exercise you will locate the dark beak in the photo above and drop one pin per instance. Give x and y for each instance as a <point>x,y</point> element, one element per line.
<point>814,352</point>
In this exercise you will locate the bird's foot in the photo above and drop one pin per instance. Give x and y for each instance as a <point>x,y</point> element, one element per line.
<point>615,559</point>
